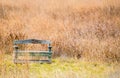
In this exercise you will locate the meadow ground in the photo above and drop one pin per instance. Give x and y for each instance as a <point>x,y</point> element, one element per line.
<point>59,68</point>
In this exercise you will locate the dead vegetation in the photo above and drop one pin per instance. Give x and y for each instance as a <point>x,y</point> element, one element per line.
<point>87,31</point>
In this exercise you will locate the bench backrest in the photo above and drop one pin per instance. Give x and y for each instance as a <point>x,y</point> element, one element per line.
<point>32,41</point>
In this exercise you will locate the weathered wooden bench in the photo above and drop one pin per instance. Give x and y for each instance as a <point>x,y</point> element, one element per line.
<point>17,52</point>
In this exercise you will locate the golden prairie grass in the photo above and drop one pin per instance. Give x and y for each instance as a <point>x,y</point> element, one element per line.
<point>77,28</point>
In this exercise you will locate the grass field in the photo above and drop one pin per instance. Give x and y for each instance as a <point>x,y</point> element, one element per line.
<point>85,36</point>
<point>60,68</point>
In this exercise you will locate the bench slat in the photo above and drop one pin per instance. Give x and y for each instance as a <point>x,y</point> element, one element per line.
<point>32,61</point>
<point>33,41</point>
<point>30,51</point>
<point>35,53</point>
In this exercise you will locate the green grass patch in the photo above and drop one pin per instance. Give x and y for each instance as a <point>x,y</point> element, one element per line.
<point>59,68</point>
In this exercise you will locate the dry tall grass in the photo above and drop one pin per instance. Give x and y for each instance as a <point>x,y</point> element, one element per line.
<point>77,28</point>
